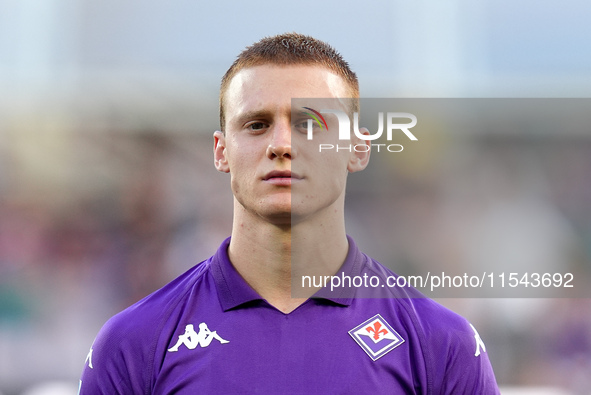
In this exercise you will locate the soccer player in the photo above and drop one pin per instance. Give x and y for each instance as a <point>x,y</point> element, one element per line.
<point>266,340</point>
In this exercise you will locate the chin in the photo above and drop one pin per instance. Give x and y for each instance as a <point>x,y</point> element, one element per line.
<point>279,219</point>
<point>276,212</point>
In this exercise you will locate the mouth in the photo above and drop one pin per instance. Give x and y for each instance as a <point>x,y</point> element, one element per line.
<point>281,177</point>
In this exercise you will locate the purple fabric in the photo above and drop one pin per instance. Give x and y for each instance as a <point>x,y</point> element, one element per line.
<point>239,344</point>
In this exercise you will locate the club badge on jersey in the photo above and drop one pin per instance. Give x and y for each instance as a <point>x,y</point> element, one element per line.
<point>376,337</point>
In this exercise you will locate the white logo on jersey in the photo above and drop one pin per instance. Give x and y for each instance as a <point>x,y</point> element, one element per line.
<point>89,359</point>
<point>479,342</point>
<point>191,338</point>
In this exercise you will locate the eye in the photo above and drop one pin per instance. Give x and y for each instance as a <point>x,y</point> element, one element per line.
<point>302,125</point>
<point>257,126</point>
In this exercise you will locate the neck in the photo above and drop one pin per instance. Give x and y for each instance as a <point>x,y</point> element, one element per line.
<point>271,256</point>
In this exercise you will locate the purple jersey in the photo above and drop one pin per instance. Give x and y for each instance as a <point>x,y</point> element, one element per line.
<point>209,332</point>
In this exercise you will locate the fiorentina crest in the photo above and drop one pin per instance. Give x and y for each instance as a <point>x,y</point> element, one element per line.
<point>376,337</point>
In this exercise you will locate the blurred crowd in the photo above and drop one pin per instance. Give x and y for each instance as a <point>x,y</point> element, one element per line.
<point>91,227</point>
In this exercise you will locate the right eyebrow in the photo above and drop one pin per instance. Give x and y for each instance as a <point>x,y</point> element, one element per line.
<point>255,114</point>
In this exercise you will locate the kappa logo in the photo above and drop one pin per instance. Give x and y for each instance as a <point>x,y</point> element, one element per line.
<point>89,359</point>
<point>479,343</point>
<point>376,337</point>
<point>192,339</point>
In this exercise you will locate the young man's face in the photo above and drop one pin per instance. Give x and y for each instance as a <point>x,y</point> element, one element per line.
<point>278,174</point>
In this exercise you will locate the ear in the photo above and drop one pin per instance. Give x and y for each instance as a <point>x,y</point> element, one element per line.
<point>219,152</point>
<point>359,159</point>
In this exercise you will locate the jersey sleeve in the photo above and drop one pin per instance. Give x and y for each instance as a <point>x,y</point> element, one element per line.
<point>455,356</point>
<point>467,367</point>
<point>458,356</point>
<point>117,363</point>
<point>123,358</point>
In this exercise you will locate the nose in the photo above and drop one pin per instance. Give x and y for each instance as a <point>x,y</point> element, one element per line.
<point>280,142</point>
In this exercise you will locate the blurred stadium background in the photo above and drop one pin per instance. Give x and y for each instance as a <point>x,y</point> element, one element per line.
<point>107,189</point>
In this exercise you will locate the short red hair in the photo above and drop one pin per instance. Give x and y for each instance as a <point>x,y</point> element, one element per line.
<point>285,50</point>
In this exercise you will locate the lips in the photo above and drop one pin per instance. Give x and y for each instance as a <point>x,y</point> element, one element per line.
<point>281,178</point>
<point>281,174</point>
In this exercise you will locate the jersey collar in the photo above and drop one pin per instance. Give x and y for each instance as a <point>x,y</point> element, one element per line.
<point>233,291</point>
